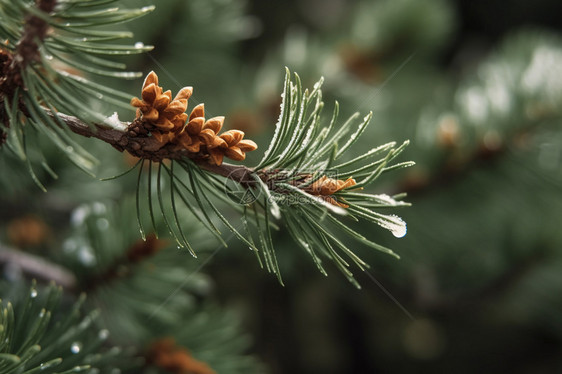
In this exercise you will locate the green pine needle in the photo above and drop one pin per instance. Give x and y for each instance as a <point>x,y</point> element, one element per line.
<point>34,341</point>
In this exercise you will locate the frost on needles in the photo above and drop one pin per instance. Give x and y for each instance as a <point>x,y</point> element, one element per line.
<point>309,181</point>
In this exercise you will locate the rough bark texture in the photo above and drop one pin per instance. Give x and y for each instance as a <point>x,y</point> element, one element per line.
<point>144,146</point>
<point>26,51</point>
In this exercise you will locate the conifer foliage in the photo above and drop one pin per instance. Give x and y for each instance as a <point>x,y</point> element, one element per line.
<point>306,183</point>
<point>293,169</point>
<point>165,119</point>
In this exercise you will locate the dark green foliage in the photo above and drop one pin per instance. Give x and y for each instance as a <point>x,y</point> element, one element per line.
<point>154,285</point>
<point>480,265</point>
<point>40,333</point>
<point>53,75</point>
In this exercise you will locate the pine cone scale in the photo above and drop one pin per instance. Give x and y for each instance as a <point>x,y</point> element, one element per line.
<point>166,120</point>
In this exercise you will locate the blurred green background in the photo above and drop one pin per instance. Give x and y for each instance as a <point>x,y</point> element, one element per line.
<point>477,88</point>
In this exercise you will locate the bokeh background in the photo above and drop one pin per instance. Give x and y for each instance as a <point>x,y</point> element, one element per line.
<point>477,88</point>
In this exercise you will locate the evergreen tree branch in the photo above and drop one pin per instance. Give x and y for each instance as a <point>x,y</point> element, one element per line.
<point>148,147</point>
<point>522,68</point>
<point>27,48</point>
<point>304,179</point>
<point>38,337</point>
<point>154,286</point>
<point>26,51</point>
<point>298,180</point>
<point>37,267</point>
<point>121,267</point>
<point>35,30</point>
<point>38,38</point>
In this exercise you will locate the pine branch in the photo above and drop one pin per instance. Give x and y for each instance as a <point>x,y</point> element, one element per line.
<point>34,71</point>
<point>120,267</point>
<point>26,50</point>
<point>293,177</point>
<point>148,147</point>
<point>35,337</point>
<point>37,267</point>
<point>154,286</point>
<point>523,69</point>
<point>35,30</point>
<point>301,180</point>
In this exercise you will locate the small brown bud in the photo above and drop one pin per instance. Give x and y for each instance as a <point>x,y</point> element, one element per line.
<point>195,125</point>
<point>184,93</point>
<point>247,145</point>
<point>123,141</point>
<point>235,153</point>
<point>198,111</point>
<point>325,187</point>
<point>165,119</point>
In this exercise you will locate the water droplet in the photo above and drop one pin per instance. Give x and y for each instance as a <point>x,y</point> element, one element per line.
<point>48,57</point>
<point>203,285</point>
<point>398,228</point>
<point>139,45</point>
<point>99,208</point>
<point>33,293</point>
<point>103,224</point>
<point>79,215</point>
<point>127,74</point>
<point>103,334</point>
<point>69,245</point>
<point>75,347</point>
<point>387,200</point>
<point>85,256</point>
<point>394,224</point>
<point>50,364</point>
<point>69,149</point>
